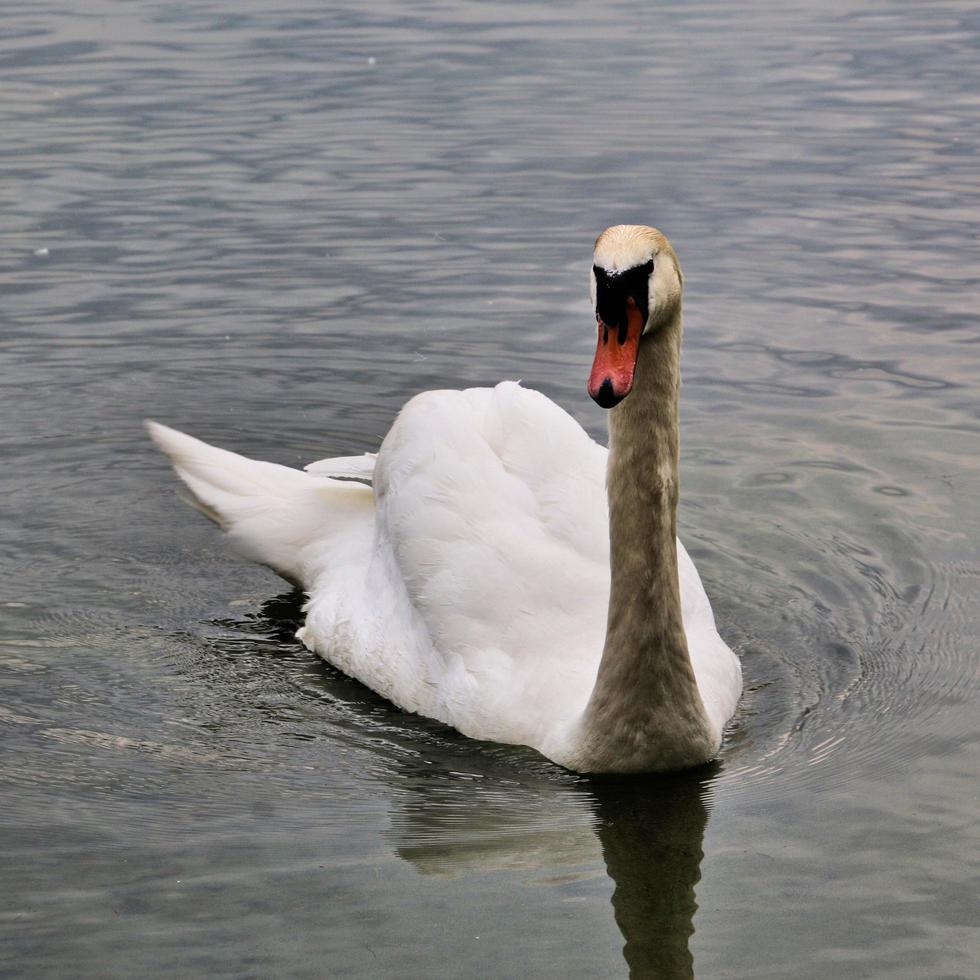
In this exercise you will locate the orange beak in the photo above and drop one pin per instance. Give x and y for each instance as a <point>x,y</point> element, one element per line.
<point>615,358</point>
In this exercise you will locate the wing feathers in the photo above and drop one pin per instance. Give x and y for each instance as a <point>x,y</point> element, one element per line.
<point>345,467</point>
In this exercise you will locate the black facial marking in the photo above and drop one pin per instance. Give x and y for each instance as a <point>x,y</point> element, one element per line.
<point>612,290</point>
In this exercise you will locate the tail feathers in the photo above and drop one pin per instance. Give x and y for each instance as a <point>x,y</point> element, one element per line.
<point>278,516</point>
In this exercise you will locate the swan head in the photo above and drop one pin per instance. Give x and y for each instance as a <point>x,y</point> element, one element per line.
<point>636,287</point>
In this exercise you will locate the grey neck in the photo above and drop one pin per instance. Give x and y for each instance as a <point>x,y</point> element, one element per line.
<point>645,712</point>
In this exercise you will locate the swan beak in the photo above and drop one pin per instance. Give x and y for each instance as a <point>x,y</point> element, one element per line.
<point>615,358</point>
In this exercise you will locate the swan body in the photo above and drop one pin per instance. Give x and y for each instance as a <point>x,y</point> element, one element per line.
<point>464,573</point>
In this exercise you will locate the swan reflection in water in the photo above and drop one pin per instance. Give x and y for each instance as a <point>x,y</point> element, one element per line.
<point>514,811</point>
<point>648,831</point>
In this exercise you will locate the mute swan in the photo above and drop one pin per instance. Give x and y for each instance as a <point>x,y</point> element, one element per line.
<point>473,571</point>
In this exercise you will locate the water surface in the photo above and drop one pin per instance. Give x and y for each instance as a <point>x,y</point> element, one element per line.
<point>271,225</point>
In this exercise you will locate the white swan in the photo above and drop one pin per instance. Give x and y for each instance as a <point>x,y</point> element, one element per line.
<point>471,583</point>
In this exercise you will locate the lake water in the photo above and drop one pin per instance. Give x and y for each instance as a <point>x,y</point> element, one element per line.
<point>270,224</point>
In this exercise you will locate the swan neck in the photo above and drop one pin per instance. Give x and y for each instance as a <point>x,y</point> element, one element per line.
<point>645,711</point>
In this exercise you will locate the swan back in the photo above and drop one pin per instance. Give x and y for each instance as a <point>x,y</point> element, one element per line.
<point>491,504</point>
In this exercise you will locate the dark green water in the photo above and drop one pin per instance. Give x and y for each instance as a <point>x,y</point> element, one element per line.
<point>271,225</point>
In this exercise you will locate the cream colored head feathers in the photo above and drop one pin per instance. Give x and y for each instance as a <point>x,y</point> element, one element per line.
<point>623,247</point>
